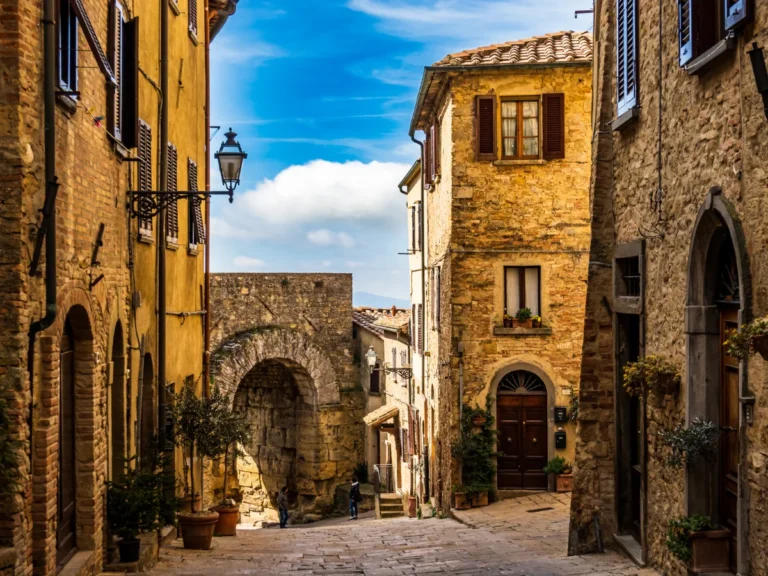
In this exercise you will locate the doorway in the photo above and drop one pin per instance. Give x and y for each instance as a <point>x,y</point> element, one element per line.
<point>118,414</point>
<point>521,412</point>
<point>66,497</point>
<point>148,419</point>
<point>630,432</point>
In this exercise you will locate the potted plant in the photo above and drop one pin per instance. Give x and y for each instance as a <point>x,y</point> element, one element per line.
<point>507,321</point>
<point>536,322</point>
<point>478,495</point>
<point>479,419</point>
<point>476,450</point>
<point>194,421</point>
<point>751,338</point>
<point>524,318</point>
<point>231,431</point>
<point>139,501</point>
<point>696,541</point>
<point>460,499</point>
<point>563,473</point>
<point>689,444</point>
<point>412,506</point>
<point>652,373</point>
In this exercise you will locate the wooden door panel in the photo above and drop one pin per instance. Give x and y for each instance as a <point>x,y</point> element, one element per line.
<point>522,425</point>
<point>65,530</point>
<point>729,433</point>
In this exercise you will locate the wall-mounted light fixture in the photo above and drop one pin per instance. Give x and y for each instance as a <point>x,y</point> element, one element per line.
<point>760,72</point>
<point>370,356</point>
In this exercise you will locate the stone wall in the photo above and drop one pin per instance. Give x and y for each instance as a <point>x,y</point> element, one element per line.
<point>713,134</point>
<point>284,353</point>
<point>534,213</point>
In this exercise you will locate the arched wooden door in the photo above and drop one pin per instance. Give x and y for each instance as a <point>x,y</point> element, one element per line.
<point>66,505</point>
<point>521,412</point>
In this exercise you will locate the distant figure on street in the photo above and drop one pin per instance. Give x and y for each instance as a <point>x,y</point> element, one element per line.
<point>354,497</point>
<point>282,506</point>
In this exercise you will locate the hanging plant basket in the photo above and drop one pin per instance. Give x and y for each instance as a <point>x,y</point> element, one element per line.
<point>751,338</point>
<point>653,374</point>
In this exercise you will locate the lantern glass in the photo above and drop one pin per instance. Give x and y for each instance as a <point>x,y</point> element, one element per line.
<point>371,357</point>
<point>230,157</point>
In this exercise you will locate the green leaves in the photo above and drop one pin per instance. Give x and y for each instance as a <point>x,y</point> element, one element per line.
<point>557,465</point>
<point>140,501</point>
<point>652,373</point>
<point>742,343</point>
<point>679,534</point>
<point>476,448</point>
<point>690,444</point>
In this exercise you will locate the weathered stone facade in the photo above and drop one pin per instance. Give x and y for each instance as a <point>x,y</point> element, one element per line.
<point>485,216</point>
<point>283,353</point>
<point>705,147</point>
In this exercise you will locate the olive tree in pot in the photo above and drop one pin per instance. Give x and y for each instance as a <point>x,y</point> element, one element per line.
<point>139,501</point>
<point>194,418</point>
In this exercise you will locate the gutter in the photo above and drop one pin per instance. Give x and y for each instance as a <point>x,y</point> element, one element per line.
<point>208,204</point>
<point>408,177</point>
<point>223,17</point>
<point>431,71</point>
<point>48,227</point>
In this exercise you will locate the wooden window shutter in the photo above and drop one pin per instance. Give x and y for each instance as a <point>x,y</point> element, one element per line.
<point>145,169</point>
<point>116,38</point>
<point>554,126</point>
<point>626,54</point>
<point>420,228</point>
<point>437,289</point>
<point>413,228</point>
<point>197,230</point>
<point>193,16</point>
<point>172,215</point>
<point>129,127</point>
<point>685,29</point>
<point>485,127</point>
<point>432,154</point>
<point>420,327</point>
<point>427,167</point>
<point>93,40</point>
<point>736,12</point>
<point>437,148</point>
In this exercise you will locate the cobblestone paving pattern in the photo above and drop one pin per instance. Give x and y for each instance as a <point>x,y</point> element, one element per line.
<point>503,538</point>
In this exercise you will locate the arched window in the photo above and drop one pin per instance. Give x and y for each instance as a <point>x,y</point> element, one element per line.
<point>522,382</point>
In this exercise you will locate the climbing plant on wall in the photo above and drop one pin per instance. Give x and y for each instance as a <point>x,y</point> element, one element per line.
<point>476,448</point>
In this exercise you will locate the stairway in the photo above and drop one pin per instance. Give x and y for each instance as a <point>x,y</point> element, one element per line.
<point>389,506</point>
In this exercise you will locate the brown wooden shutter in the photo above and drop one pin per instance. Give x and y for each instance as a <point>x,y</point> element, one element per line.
<point>420,228</point>
<point>420,327</point>
<point>437,149</point>
<point>172,215</point>
<point>145,169</point>
<point>93,40</point>
<point>196,220</point>
<point>129,127</point>
<point>485,127</point>
<point>427,167</point>
<point>116,21</point>
<point>413,228</point>
<point>432,154</point>
<point>554,126</point>
<point>193,16</point>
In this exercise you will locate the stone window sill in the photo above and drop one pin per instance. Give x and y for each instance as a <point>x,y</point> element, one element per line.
<point>67,102</point>
<point>121,151</point>
<point>625,119</point>
<point>171,243</point>
<point>520,162</point>
<point>502,331</point>
<point>193,37</point>
<point>701,63</point>
<point>192,250</point>
<point>145,236</point>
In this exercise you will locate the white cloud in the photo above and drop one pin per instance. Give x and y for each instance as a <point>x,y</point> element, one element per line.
<point>245,263</point>
<point>325,237</point>
<point>252,52</point>
<point>354,264</point>
<point>319,192</point>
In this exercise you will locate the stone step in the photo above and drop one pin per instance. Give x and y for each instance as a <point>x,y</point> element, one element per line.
<point>391,514</point>
<point>391,508</point>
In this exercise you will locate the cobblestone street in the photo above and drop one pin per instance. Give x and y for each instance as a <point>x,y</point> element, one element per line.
<point>508,537</point>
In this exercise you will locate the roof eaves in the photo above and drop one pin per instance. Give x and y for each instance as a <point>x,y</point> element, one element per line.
<point>410,175</point>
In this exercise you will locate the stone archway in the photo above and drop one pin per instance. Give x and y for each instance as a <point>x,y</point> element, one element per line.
<point>718,245</point>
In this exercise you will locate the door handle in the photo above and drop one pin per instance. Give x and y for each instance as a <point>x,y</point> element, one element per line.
<point>534,441</point>
<point>509,439</point>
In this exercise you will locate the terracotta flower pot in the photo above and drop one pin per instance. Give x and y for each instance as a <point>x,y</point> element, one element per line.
<point>536,324</point>
<point>461,502</point>
<point>711,551</point>
<point>129,549</point>
<point>411,506</point>
<point>197,529</point>
<point>526,323</point>
<point>516,323</point>
<point>507,323</point>
<point>226,525</point>
<point>563,482</point>
<point>480,499</point>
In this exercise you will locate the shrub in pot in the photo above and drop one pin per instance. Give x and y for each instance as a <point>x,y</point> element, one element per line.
<point>524,318</point>
<point>476,450</point>
<point>652,374</point>
<point>507,321</point>
<point>139,501</point>
<point>461,500</point>
<point>562,471</point>
<point>702,545</point>
<point>751,338</point>
<point>536,320</point>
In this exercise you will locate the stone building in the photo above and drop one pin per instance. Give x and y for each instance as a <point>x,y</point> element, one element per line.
<point>391,435</point>
<point>677,261</point>
<point>282,351</point>
<point>80,129</point>
<point>503,224</point>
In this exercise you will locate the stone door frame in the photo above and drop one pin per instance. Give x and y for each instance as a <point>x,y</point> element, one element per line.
<point>702,329</point>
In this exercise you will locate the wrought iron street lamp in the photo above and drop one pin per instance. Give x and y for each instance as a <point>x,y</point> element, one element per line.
<point>149,203</point>
<point>370,356</point>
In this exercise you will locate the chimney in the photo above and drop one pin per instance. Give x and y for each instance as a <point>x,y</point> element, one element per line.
<point>394,310</point>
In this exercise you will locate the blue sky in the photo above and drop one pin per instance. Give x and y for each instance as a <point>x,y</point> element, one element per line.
<point>321,93</point>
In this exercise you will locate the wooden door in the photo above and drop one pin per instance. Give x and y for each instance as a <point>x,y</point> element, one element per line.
<point>65,531</point>
<point>522,425</point>
<point>729,433</point>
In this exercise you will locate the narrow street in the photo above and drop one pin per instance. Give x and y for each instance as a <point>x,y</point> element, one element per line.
<point>508,537</point>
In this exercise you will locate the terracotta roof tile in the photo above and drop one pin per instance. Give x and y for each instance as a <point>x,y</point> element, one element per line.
<point>554,48</point>
<point>379,319</point>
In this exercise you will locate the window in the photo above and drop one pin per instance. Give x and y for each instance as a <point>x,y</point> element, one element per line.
<point>704,23</point>
<point>628,277</point>
<point>195,228</point>
<point>431,161</point>
<point>193,18</point>
<point>145,172</point>
<point>67,32</point>
<point>374,385</point>
<point>417,234</point>
<point>520,129</point>
<point>123,96</point>
<point>435,298</point>
<point>172,213</point>
<point>626,54</point>
<point>522,289</point>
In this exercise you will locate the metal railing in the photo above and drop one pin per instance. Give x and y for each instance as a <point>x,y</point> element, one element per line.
<point>383,478</point>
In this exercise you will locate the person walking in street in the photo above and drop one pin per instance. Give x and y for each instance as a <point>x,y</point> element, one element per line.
<point>282,506</point>
<point>354,498</point>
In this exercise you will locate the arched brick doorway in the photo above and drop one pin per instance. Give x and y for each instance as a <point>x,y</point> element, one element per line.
<point>279,399</point>
<point>118,417</point>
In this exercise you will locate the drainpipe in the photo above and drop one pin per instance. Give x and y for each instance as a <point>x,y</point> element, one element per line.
<point>48,227</point>
<point>423,259</point>
<point>207,261</point>
<point>161,265</point>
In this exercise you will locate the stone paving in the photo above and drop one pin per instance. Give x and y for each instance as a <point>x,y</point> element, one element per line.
<point>503,538</point>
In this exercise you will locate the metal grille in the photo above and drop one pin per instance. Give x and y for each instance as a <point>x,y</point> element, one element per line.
<point>629,269</point>
<point>522,382</point>
<point>728,277</point>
